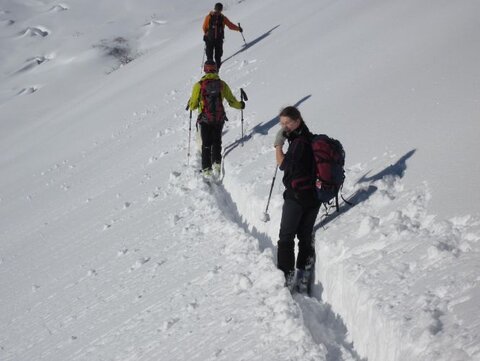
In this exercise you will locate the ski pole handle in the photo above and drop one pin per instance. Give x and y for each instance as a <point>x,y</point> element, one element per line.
<point>243,95</point>
<point>242,34</point>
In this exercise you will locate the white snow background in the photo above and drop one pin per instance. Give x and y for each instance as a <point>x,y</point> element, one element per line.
<point>113,248</point>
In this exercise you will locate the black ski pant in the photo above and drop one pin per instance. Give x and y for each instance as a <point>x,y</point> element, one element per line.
<point>211,144</point>
<point>217,47</point>
<point>297,220</point>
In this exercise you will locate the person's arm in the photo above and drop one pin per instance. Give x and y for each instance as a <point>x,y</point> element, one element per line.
<point>230,25</point>
<point>278,144</point>
<point>194,102</point>
<point>206,24</point>
<point>228,95</point>
<point>279,155</point>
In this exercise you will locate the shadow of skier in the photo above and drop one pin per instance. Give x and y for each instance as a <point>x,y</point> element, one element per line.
<point>261,128</point>
<point>396,170</point>
<point>250,44</point>
<point>326,327</point>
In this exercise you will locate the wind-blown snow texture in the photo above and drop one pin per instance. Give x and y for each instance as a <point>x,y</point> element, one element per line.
<point>113,248</point>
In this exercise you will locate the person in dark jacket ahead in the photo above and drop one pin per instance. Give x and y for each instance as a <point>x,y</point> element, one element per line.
<point>213,33</point>
<point>301,205</point>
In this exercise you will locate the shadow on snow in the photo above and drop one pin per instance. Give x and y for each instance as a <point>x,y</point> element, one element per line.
<point>250,44</point>
<point>262,128</point>
<point>396,170</point>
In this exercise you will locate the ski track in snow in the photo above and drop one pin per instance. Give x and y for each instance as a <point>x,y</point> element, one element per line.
<point>234,275</point>
<point>234,279</point>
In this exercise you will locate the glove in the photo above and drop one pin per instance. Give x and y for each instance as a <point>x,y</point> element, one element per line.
<point>242,105</point>
<point>240,29</point>
<point>205,38</point>
<point>280,138</point>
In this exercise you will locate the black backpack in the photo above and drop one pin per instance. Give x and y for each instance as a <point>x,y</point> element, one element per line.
<point>211,94</point>
<point>215,28</point>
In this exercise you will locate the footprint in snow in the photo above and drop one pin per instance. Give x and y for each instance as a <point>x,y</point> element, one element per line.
<point>108,225</point>
<point>28,90</point>
<point>368,225</point>
<point>122,252</point>
<point>32,63</point>
<point>168,324</point>
<point>174,219</point>
<point>192,306</point>
<point>59,8</point>
<point>92,273</point>
<point>34,31</point>
<point>152,197</point>
<point>8,22</point>
<point>140,262</point>
<point>242,283</point>
<point>156,23</point>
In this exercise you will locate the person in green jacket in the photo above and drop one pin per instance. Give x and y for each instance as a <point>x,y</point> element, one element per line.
<point>207,96</point>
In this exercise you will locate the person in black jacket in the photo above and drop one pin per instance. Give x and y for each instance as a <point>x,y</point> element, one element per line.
<point>301,205</point>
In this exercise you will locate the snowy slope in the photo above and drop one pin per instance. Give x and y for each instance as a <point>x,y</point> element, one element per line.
<point>111,247</point>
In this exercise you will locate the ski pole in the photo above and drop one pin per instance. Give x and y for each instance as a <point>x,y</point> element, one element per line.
<point>266,216</point>
<point>243,97</point>
<point>242,35</point>
<point>189,133</point>
<point>203,58</point>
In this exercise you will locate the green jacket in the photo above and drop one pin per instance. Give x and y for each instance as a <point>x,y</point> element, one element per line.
<point>197,103</point>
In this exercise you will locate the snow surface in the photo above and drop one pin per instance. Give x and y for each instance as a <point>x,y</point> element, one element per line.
<point>113,248</point>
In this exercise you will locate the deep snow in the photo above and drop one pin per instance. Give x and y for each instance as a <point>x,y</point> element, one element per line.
<point>111,247</point>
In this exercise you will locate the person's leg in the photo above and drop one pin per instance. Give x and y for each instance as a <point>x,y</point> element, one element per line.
<point>291,216</point>
<point>218,53</point>
<point>306,247</point>
<point>209,46</point>
<point>306,252</point>
<point>217,144</point>
<point>206,133</point>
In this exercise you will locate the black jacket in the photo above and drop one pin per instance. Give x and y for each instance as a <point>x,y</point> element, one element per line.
<point>299,167</point>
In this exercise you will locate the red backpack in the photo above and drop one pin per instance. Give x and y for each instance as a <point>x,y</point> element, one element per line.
<point>329,159</point>
<point>211,94</point>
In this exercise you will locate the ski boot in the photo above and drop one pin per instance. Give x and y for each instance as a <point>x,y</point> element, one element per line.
<point>217,169</point>
<point>305,279</point>
<point>290,281</point>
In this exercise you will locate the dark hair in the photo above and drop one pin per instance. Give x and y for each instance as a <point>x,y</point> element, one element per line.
<point>218,7</point>
<point>291,112</point>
